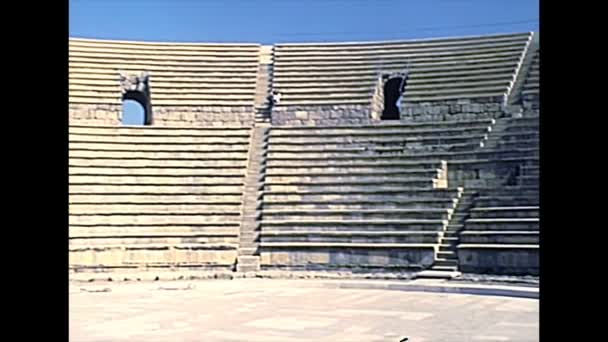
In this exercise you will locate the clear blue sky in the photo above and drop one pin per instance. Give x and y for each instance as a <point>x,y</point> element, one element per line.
<point>275,21</point>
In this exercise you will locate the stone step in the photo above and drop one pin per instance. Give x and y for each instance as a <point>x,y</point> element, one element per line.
<point>161,180</point>
<point>350,236</point>
<point>136,154</point>
<point>373,143</point>
<point>358,214</point>
<point>446,247</point>
<point>415,178</point>
<point>379,136</point>
<point>344,203</point>
<point>162,131</point>
<point>127,208</point>
<point>359,168</point>
<point>235,172</point>
<point>346,225</point>
<point>452,271</point>
<point>248,263</point>
<point>301,159</point>
<point>505,212</point>
<point>447,255</point>
<point>441,272</point>
<point>152,219</point>
<point>157,189</point>
<point>169,232</point>
<point>339,62</point>
<point>500,237</point>
<point>445,262</point>
<point>505,201</point>
<point>344,174</point>
<point>516,133</point>
<point>167,146</point>
<point>492,224</point>
<point>251,234</point>
<point>142,163</point>
<point>383,126</point>
<point>509,145</point>
<point>349,186</point>
<point>395,193</point>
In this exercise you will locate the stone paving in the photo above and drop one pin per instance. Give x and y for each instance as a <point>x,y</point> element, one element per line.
<point>290,311</point>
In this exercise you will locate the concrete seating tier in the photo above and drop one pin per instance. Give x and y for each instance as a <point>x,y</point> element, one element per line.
<point>358,256</point>
<point>366,194</point>
<point>181,74</point>
<point>513,200</point>
<point>336,201</point>
<point>501,237</point>
<point>505,212</point>
<point>441,69</point>
<point>345,203</point>
<point>531,85</point>
<point>155,197</point>
<point>509,223</point>
<point>501,232</point>
<point>315,236</point>
<point>509,259</point>
<point>421,157</point>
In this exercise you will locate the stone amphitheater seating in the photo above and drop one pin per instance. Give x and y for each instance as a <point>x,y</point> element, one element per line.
<point>155,197</point>
<point>501,233</point>
<point>479,68</point>
<point>531,86</point>
<point>360,196</point>
<point>326,186</point>
<point>184,75</point>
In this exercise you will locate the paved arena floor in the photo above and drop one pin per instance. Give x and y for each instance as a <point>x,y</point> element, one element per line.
<point>272,310</point>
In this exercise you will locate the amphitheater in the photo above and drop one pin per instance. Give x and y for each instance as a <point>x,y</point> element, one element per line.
<point>328,176</point>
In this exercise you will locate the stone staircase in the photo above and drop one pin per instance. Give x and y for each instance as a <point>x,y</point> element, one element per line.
<point>262,114</point>
<point>446,262</point>
<point>263,105</point>
<point>248,255</point>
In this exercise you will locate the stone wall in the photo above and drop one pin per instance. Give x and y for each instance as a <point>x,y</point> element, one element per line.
<point>452,110</point>
<point>95,114</point>
<point>111,114</point>
<point>202,116</point>
<point>348,258</point>
<point>500,260</point>
<point>363,114</point>
<point>321,115</point>
<point>480,174</point>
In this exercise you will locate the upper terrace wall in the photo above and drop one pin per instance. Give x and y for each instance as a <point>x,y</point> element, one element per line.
<point>336,83</point>
<point>190,84</point>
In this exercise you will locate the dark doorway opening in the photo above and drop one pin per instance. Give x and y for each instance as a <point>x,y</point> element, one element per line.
<point>393,88</point>
<point>134,109</point>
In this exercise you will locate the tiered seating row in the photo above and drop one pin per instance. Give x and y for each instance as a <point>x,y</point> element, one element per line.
<point>180,73</point>
<point>354,196</point>
<point>441,69</point>
<point>501,234</point>
<point>155,197</point>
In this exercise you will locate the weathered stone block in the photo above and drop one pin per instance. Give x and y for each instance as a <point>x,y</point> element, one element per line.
<point>301,115</point>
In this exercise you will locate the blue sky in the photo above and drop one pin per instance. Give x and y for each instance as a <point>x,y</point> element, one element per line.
<point>276,21</point>
<point>132,113</point>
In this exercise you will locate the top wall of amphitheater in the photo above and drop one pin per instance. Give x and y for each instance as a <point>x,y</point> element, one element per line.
<point>205,84</point>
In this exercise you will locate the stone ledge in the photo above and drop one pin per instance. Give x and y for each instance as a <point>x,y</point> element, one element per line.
<point>401,281</point>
